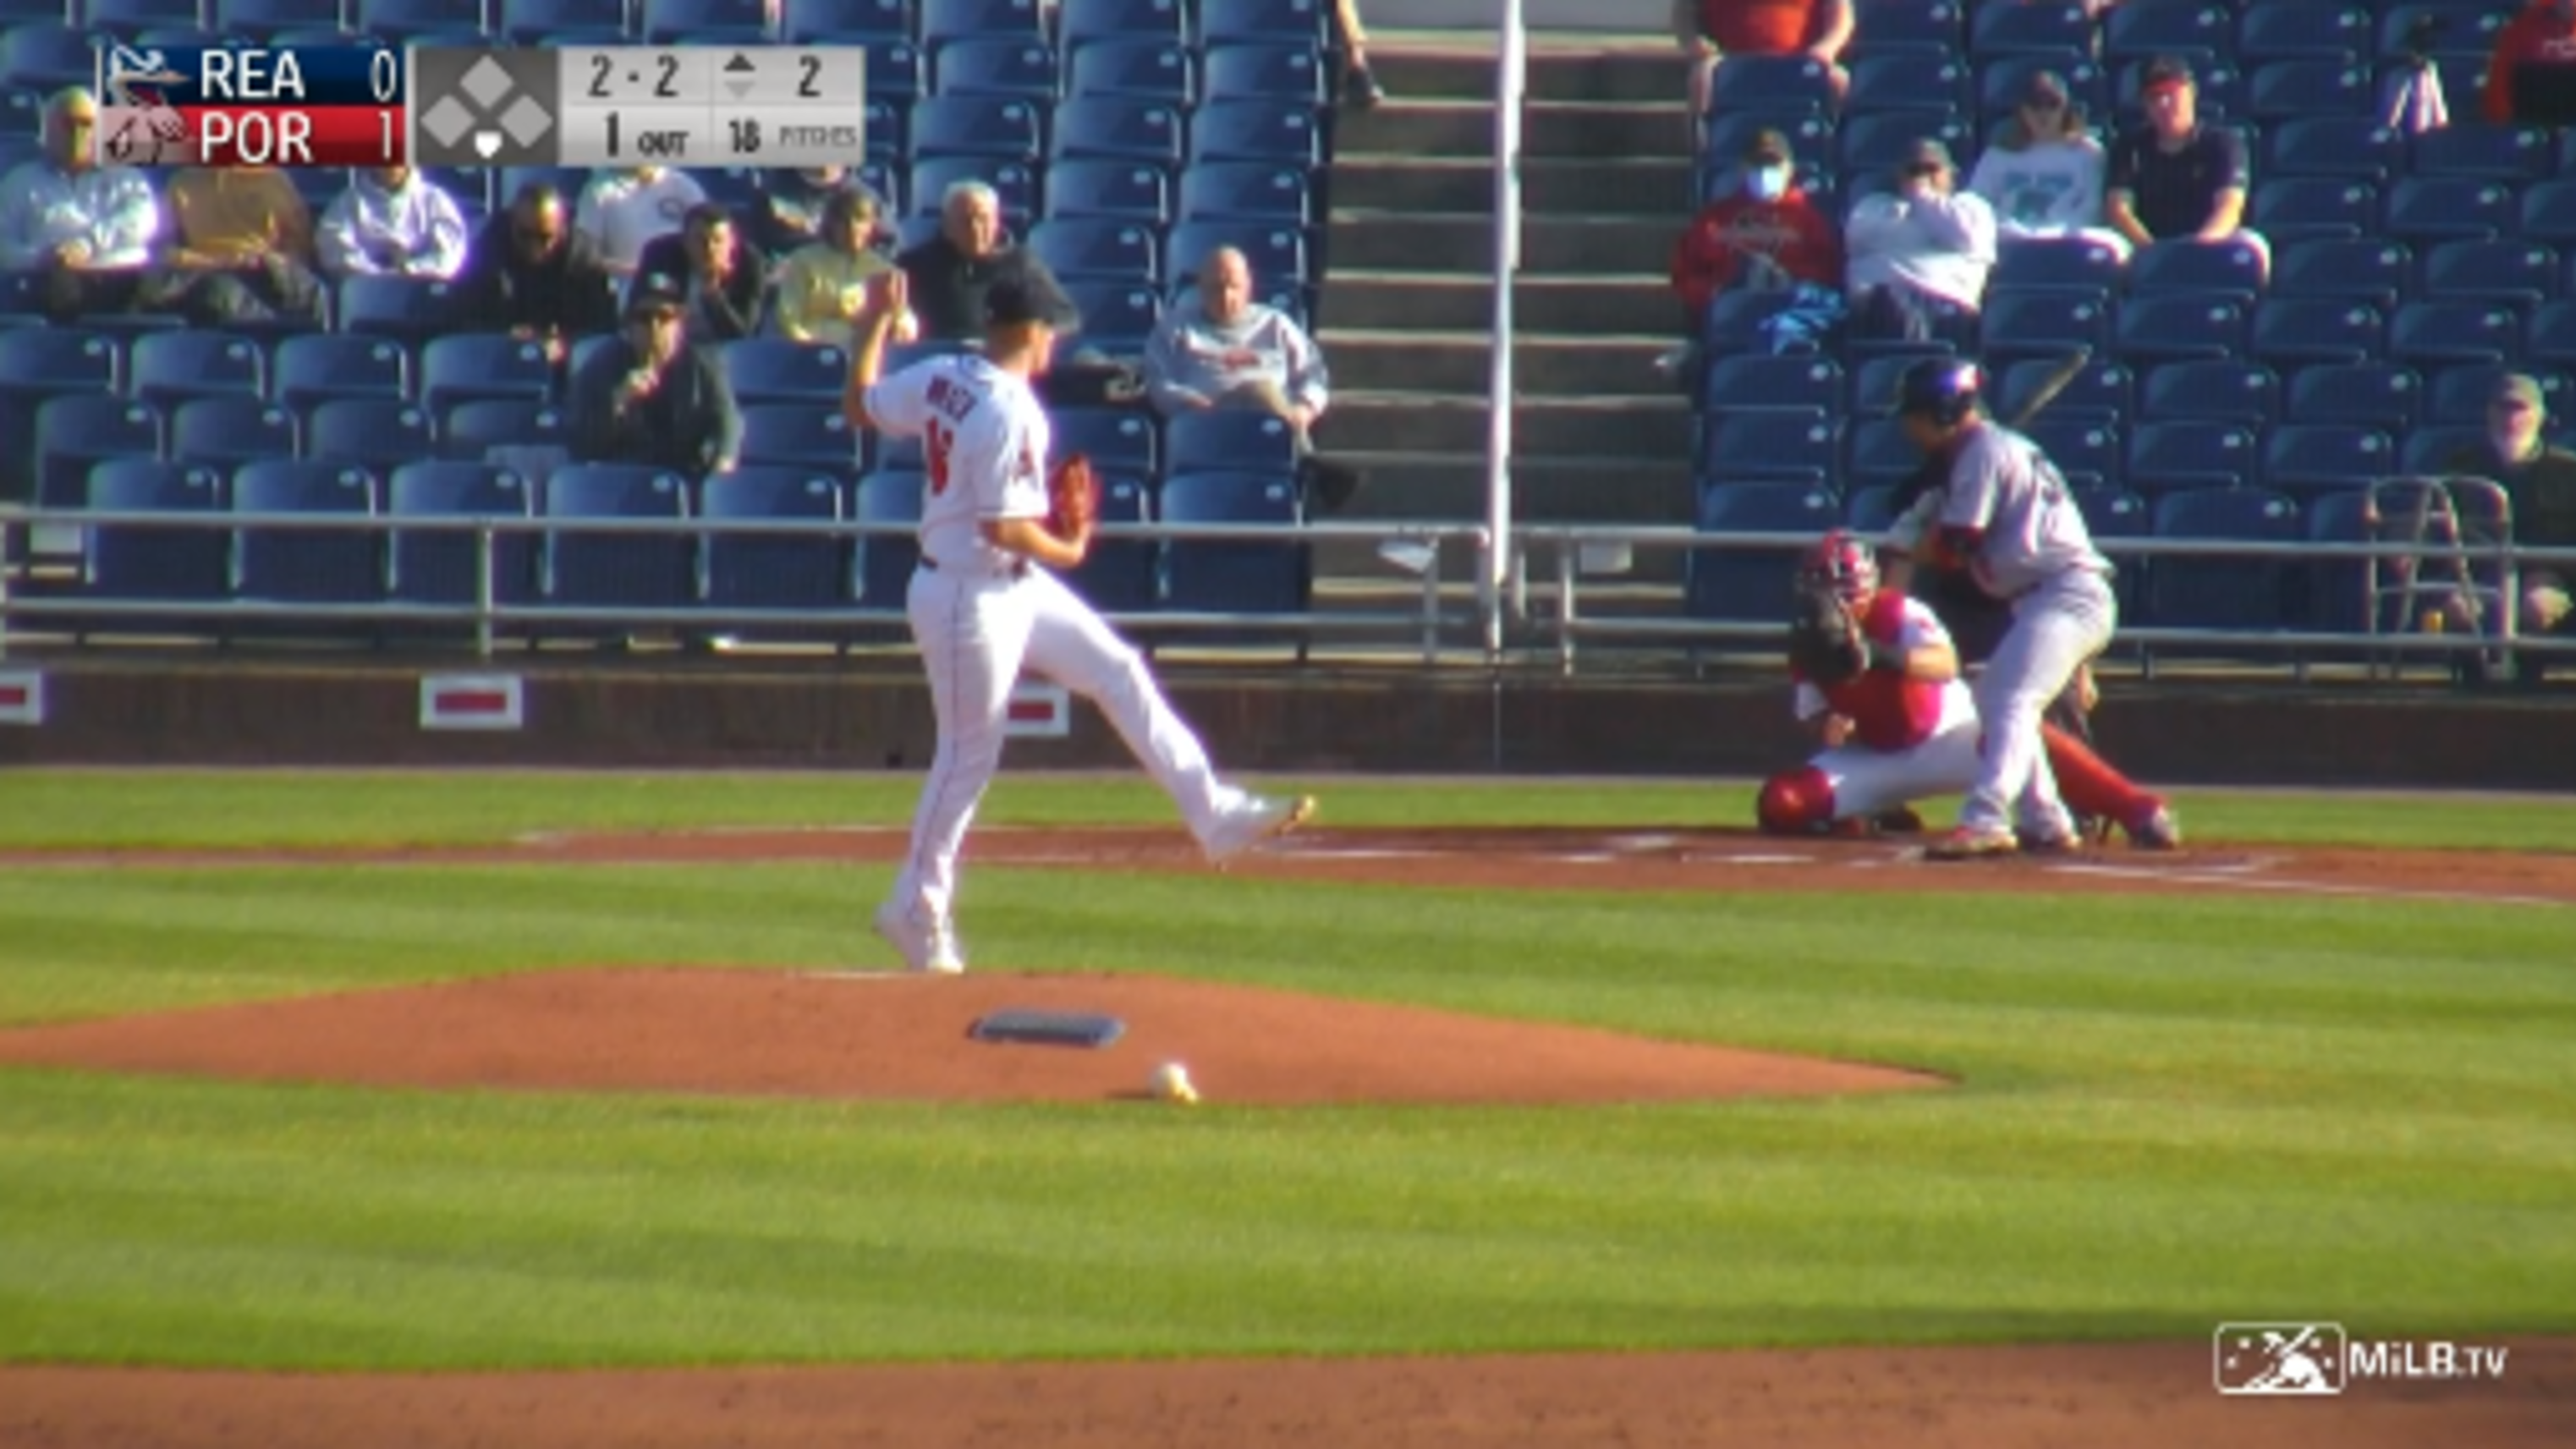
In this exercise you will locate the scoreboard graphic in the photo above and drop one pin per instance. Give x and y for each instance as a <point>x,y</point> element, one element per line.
<point>370,105</point>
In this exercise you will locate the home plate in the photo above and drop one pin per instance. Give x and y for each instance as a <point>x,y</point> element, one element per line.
<point>1643,842</point>
<point>1760,859</point>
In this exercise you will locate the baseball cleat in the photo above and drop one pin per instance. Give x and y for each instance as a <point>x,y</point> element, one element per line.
<point>2047,842</point>
<point>2156,830</point>
<point>1967,844</point>
<point>930,949</point>
<point>1254,823</point>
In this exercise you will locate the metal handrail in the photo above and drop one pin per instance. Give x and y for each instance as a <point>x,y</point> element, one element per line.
<point>1511,83</point>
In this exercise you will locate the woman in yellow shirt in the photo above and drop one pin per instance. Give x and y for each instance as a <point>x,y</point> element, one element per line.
<point>822,286</point>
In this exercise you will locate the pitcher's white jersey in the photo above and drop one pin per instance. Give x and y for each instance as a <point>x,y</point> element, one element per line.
<point>2001,483</point>
<point>984,439</point>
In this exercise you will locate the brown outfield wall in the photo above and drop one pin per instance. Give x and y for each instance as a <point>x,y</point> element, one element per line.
<point>875,714</point>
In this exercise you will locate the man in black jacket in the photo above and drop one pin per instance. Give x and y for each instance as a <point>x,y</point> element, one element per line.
<point>529,274</point>
<point>948,275</point>
<point>650,397</point>
<point>707,262</point>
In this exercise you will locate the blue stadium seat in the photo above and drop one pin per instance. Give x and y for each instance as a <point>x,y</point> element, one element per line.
<point>127,18</point>
<point>2420,210</point>
<point>2045,27</point>
<point>1014,182</point>
<point>469,366</point>
<point>1734,321</point>
<point>472,430</point>
<point>2549,213</point>
<point>2047,323</point>
<point>1753,584</point>
<point>1117,128</point>
<point>2229,391</point>
<point>2086,449</point>
<point>2436,334</point>
<point>2292,331</point>
<point>2459,395</point>
<point>2138,31</point>
<point>2111,514</point>
<point>2223,593</point>
<point>2371,271</point>
<point>2289,210</point>
<point>1132,191</point>
<point>2469,30</point>
<point>2550,336</point>
<point>846,22</point>
<point>1263,22</point>
<point>1870,511</point>
<point>1932,24</point>
<point>376,433</point>
<point>773,369</point>
<point>2338,592</point>
<point>2354,148</point>
<point>1117,440</point>
<point>810,436</point>
<point>1209,576</point>
<point>139,561</point>
<point>1753,380</point>
<point>1286,74</point>
<point>1906,82</point>
<point>37,363</point>
<point>440,568</point>
<point>787,570</point>
<point>1772,85</point>
<point>1770,445</point>
<point>2286,90</point>
<point>168,368</point>
<point>895,73</point>
<point>1120,575</point>
<point>36,56</point>
<point>2165,457</point>
<point>1223,440</point>
<point>2074,262</point>
<point>1868,148</point>
<point>2428,451</point>
<point>227,431</point>
<point>261,18</point>
<point>944,22</point>
<point>1117,317</point>
<point>533,22</point>
<point>2380,395</point>
<point>2341,33</point>
<point>1086,23</point>
<point>601,570</point>
<point>2003,80</point>
<point>704,22</point>
<point>1141,70</point>
<point>75,430</point>
<point>2179,327</point>
<point>305,566</point>
<point>2511,271</point>
<point>1245,191</point>
<point>882,564</point>
<point>2301,458</point>
<point>1005,127</point>
<point>401,20</point>
<point>1874,382</point>
<point>2230,268</point>
<point>1880,455</point>
<point>1283,132</point>
<point>1275,253</point>
<point>1010,66</point>
<point>1810,138</point>
<point>2104,389</point>
<point>405,309</point>
<point>2465,148</point>
<point>1104,250</point>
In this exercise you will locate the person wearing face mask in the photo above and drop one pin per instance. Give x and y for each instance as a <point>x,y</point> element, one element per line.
<point>1761,231</point>
<point>2531,75</point>
<point>2539,480</point>
<point>649,397</point>
<point>2043,174</point>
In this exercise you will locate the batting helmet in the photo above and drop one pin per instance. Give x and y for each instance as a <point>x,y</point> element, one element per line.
<point>1941,388</point>
<point>1843,564</point>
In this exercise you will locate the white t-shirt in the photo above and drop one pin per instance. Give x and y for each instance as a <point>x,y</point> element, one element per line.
<point>2050,189</point>
<point>985,439</point>
<point>620,212</point>
<point>2003,484</point>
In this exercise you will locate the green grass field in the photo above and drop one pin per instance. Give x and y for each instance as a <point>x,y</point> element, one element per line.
<point>2172,1111</point>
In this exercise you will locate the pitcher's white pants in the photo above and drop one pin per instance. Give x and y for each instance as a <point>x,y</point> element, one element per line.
<point>2056,627</point>
<point>975,629</point>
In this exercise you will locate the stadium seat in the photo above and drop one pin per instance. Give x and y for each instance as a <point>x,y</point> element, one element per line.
<point>1007,66</point>
<point>1928,24</point>
<point>1277,131</point>
<point>1874,382</point>
<point>2138,31</point>
<point>1880,454</point>
<point>126,19</point>
<point>1120,575</point>
<point>139,561</point>
<point>470,366</point>
<point>883,562</point>
<point>1117,317</point>
<point>2047,323</point>
<point>2045,27</point>
<point>2340,33</point>
<point>1753,584</point>
<point>2379,395</point>
<point>37,363</point>
<point>846,22</point>
<point>2166,457</point>
<point>470,432</point>
<point>1138,70</point>
<point>1263,22</point>
<point>2292,331</point>
<point>2549,213</point>
<point>1907,82</point>
<point>1245,191</point>
<point>2459,395</point>
<point>2514,272</point>
<point>1117,440</point>
<point>535,22</point>
<point>1752,380</point>
<point>376,433</point>
<point>2337,592</point>
<point>311,368</point>
<point>1275,253</point>
<point>2421,210</point>
<point>2550,336</point>
<point>227,431</point>
<point>1287,74</point>
<point>301,565</point>
<point>2111,514</point>
<point>1119,128</point>
<point>2231,268</point>
<point>2228,391</point>
<point>2373,272</point>
<point>263,18</point>
<point>75,430</point>
<point>2429,451</point>
<point>405,309</point>
<point>1868,148</point>
<point>415,20</point>
<point>2286,90</point>
<point>1130,191</point>
<point>893,73</point>
<point>1231,576</point>
<point>1810,138</point>
<point>774,369</point>
<point>608,570</point>
<point>1770,445</point>
<point>2435,334</point>
<point>168,368</point>
<point>947,22</point>
<point>1772,85</point>
<point>2231,592</point>
<point>1870,511</point>
<point>2468,30</point>
<point>801,570</point>
<point>2353,148</point>
<point>1734,322</point>
<point>2302,458</point>
<point>1084,24</point>
<point>1222,440</point>
<point>1102,249</point>
<point>2103,389</point>
<point>1014,183</point>
<point>1004,127</point>
<point>811,436</point>
<point>2083,448</point>
<point>2288,210</point>
<point>2468,150</point>
<point>41,57</point>
<point>2179,327</point>
<point>704,22</point>
<point>2002,80</point>
<point>439,567</point>
<point>2088,266</point>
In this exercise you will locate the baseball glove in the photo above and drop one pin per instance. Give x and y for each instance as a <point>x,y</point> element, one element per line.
<point>1073,497</point>
<point>1826,646</point>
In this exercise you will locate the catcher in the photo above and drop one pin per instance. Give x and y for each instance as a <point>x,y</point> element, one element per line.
<point>1877,678</point>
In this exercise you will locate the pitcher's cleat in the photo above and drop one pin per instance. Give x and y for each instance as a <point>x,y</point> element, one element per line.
<point>1254,823</point>
<point>929,948</point>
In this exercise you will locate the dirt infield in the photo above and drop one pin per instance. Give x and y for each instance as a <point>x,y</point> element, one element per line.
<point>858,1034</point>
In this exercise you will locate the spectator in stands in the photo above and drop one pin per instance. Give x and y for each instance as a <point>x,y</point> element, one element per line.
<point>392,221</point>
<point>949,274</point>
<point>823,286</point>
<point>245,248</point>
<point>89,231</point>
<point>651,397</point>
<point>707,262</point>
<point>1765,233</point>
<point>1919,255</point>
<point>531,275</point>
<point>1221,349</point>
<point>2178,177</point>
<point>1359,84</point>
<point>1711,30</point>
<point>2043,174</point>
<point>623,211</point>
<point>787,215</point>
<point>2533,66</point>
<point>2539,481</point>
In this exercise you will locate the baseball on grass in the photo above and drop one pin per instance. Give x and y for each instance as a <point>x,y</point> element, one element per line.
<point>1171,1082</point>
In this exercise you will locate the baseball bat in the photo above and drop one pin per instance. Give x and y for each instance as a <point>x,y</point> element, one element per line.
<point>2049,387</point>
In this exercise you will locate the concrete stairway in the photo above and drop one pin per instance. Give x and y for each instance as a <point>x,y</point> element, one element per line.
<point>1599,435</point>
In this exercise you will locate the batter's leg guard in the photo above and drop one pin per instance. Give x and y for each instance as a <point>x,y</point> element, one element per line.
<point>2087,783</point>
<point>1799,802</point>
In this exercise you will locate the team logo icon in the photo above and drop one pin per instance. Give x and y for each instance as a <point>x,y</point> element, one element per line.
<point>2278,1358</point>
<point>144,129</point>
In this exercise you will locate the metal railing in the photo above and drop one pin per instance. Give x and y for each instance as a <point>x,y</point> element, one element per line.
<point>1511,83</point>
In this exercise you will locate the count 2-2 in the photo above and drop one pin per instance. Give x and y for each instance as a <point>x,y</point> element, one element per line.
<point>248,75</point>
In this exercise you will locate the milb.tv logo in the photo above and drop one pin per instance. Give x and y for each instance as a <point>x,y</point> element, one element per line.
<point>2279,1358</point>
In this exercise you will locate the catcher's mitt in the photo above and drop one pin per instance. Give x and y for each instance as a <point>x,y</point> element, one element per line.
<point>1826,646</point>
<point>1073,497</point>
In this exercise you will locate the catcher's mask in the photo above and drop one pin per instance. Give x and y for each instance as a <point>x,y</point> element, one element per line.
<point>1841,565</point>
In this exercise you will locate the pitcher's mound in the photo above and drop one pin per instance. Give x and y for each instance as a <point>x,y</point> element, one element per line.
<point>897,1036</point>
